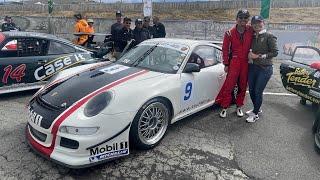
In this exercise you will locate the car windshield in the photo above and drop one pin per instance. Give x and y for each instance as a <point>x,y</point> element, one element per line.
<point>160,57</point>
<point>306,55</point>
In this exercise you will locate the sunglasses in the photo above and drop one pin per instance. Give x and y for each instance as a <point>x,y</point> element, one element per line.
<point>128,22</point>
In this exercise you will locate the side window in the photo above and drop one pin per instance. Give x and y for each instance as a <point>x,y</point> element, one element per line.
<point>205,56</point>
<point>31,47</point>
<point>56,48</point>
<point>306,55</point>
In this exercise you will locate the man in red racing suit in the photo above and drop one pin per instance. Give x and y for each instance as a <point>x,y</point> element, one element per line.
<point>235,49</point>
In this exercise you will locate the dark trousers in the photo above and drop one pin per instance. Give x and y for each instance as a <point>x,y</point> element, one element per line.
<point>258,78</point>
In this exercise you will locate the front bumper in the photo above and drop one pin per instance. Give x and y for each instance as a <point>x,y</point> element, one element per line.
<point>90,152</point>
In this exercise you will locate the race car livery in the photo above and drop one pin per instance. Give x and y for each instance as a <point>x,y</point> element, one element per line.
<point>90,114</point>
<point>29,59</point>
<point>301,76</point>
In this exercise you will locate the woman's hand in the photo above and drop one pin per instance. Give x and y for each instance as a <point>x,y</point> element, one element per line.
<point>253,55</point>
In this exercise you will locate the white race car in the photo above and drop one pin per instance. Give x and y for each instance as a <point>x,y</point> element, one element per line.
<point>89,114</point>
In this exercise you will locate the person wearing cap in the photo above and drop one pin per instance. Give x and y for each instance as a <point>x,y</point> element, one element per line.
<point>90,31</point>
<point>8,25</point>
<point>146,24</point>
<point>124,35</point>
<point>263,49</point>
<point>235,49</point>
<point>140,33</point>
<point>159,29</point>
<point>80,27</point>
<point>116,26</point>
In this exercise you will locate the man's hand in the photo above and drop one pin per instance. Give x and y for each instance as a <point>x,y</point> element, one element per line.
<point>226,68</point>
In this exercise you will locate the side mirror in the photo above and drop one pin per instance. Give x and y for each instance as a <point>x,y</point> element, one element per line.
<point>191,67</point>
<point>315,65</point>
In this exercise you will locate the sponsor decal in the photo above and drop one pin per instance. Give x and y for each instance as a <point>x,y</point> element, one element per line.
<point>56,65</point>
<point>194,106</point>
<point>114,69</point>
<point>314,93</point>
<point>34,117</point>
<point>301,94</point>
<point>301,77</point>
<point>108,151</point>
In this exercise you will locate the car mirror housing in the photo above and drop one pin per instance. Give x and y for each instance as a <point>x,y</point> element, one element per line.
<point>191,67</point>
<point>315,65</point>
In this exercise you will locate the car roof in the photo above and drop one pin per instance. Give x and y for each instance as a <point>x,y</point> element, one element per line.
<point>34,35</point>
<point>189,42</point>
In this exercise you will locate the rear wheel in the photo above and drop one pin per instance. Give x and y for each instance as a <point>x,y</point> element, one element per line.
<point>150,124</point>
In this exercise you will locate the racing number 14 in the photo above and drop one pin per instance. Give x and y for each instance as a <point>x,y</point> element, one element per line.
<point>16,74</point>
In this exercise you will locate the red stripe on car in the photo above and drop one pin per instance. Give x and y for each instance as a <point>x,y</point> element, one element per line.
<point>48,150</point>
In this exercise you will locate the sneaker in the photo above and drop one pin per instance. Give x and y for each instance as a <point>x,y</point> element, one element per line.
<point>223,113</point>
<point>250,112</point>
<point>239,112</point>
<point>252,118</point>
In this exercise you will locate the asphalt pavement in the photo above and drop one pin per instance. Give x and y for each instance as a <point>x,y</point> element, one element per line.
<point>203,146</point>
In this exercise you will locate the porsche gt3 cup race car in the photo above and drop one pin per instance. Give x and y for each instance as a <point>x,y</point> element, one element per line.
<point>89,114</point>
<point>28,59</point>
<point>301,76</point>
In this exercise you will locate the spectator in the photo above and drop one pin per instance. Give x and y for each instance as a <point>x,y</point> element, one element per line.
<point>263,49</point>
<point>116,26</point>
<point>124,35</point>
<point>146,24</point>
<point>90,30</point>
<point>159,29</point>
<point>8,25</point>
<point>80,27</point>
<point>140,33</point>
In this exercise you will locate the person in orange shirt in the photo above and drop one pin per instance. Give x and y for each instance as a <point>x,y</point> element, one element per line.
<point>80,27</point>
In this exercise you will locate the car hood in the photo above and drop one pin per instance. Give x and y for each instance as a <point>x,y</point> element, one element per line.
<point>65,93</point>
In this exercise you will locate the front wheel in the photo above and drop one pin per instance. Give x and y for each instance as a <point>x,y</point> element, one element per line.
<point>150,124</point>
<point>317,140</point>
<point>303,101</point>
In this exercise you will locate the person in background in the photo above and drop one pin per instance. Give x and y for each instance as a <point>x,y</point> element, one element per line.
<point>8,25</point>
<point>90,30</point>
<point>140,33</point>
<point>80,27</point>
<point>235,49</point>
<point>116,26</point>
<point>263,49</point>
<point>124,35</point>
<point>159,29</point>
<point>146,24</point>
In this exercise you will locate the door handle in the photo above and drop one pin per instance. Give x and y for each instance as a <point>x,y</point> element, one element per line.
<point>42,62</point>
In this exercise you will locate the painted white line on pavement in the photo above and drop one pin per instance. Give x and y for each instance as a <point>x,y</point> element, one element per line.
<point>277,94</point>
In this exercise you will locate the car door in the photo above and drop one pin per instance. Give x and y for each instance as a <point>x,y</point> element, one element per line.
<point>19,57</point>
<point>298,77</point>
<point>199,88</point>
<point>59,56</point>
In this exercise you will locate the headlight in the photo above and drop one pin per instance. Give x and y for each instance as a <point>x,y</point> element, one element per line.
<point>97,104</point>
<point>78,130</point>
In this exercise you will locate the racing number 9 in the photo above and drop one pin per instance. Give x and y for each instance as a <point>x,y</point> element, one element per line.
<point>188,91</point>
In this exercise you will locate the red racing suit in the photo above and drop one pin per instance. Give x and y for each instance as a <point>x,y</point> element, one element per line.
<point>235,51</point>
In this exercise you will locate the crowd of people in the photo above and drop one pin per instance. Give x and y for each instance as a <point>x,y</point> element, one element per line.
<point>121,32</point>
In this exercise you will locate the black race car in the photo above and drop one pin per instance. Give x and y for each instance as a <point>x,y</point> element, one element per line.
<point>301,76</point>
<point>28,59</point>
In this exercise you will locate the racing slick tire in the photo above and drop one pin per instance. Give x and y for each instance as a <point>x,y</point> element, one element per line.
<point>303,101</point>
<point>316,139</point>
<point>316,122</point>
<point>150,124</point>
